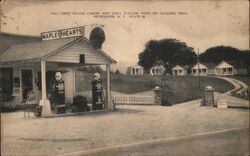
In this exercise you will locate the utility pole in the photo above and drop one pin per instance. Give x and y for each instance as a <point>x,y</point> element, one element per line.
<point>198,60</point>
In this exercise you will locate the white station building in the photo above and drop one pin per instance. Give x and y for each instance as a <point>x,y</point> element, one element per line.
<point>34,64</point>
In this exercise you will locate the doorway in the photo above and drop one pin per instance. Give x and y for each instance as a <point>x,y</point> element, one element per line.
<point>6,83</point>
<point>27,82</point>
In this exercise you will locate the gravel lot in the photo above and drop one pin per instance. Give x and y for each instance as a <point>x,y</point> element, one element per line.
<point>129,124</point>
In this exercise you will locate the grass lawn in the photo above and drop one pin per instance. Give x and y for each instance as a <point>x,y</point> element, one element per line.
<point>176,89</point>
<point>186,88</point>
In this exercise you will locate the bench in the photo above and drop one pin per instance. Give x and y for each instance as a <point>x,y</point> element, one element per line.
<point>31,104</point>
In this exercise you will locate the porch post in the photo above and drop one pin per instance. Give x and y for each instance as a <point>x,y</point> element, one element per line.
<point>43,74</point>
<point>46,110</point>
<point>109,104</point>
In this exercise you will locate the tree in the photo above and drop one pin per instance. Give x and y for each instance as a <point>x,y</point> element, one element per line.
<point>168,51</point>
<point>227,53</point>
<point>117,71</point>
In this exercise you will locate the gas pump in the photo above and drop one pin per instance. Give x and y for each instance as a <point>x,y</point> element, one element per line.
<point>59,93</point>
<point>97,93</point>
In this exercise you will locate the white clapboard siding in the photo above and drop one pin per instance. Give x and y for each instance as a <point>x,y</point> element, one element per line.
<point>72,54</point>
<point>68,78</point>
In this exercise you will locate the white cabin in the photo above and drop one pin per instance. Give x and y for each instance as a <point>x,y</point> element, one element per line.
<point>224,68</point>
<point>33,66</point>
<point>199,69</point>
<point>157,70</point>
<point>136,70</point>
<point>179,71</point>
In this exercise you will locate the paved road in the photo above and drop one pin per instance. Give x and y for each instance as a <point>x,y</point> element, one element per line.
<point>232,142</point>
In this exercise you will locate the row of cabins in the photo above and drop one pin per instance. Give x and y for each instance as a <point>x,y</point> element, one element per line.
<point>203,69</point>
<point>138,70</point>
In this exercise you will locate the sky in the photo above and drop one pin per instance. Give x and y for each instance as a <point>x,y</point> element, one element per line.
<point>202,24</point>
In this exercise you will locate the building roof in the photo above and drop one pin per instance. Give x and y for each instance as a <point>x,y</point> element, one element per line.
<point>8,40</point>
<point>158,67</point>
<point>235,64</point>
<point>201,66</point>
<point>34,50</point>
<point>177,67</point>
<point>224,64</point>
<point>42,49</point>
<point>136,66</point>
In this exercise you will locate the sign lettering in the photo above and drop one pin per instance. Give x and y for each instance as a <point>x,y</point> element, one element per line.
<point>64,33</point>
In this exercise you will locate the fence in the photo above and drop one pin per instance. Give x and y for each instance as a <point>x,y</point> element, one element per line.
<point>121,90</point>
<point>120,98</point>
<point>133,99</point>
<point>136,98</point>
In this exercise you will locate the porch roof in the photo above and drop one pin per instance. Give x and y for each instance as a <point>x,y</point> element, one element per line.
<point>178,67</point>
<point>158,67</point>
<point>40,50</point>
<point>224,64</point>
<point>136,67</point>
<point>199,66</point>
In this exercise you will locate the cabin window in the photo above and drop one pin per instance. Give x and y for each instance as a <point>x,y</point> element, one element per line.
<point>82,59</point>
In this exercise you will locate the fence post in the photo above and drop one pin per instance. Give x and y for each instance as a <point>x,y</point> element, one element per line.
<point>209,96</point>
<point>157,95</point>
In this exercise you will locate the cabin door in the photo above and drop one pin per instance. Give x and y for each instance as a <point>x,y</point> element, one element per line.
<point>27,82</point>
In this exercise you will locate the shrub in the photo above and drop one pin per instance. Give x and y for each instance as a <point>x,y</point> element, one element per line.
<point>80,104</point>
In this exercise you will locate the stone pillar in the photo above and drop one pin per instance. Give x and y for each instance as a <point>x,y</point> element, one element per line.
<point>209,96</point>
<point>157,95</point>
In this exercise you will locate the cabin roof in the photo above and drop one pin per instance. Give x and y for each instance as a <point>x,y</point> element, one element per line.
<point>223,64</point>
<point>201,66</point>
<point>178,67</point>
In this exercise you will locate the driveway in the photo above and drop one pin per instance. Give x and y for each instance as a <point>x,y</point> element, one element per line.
<point>239,87</point>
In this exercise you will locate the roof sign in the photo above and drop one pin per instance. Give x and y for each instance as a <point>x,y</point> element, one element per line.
<point>63,33</point>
